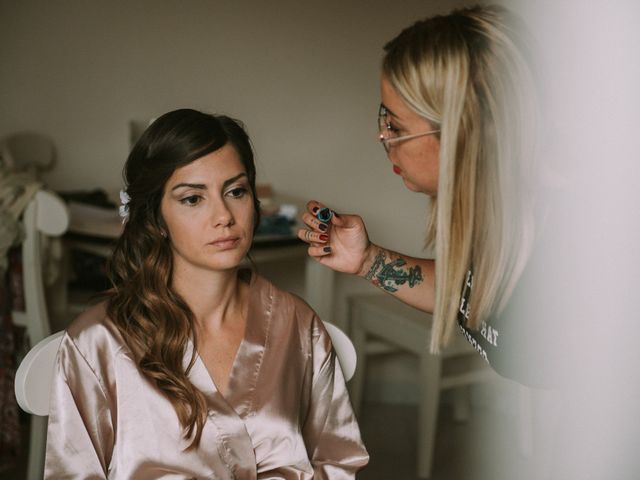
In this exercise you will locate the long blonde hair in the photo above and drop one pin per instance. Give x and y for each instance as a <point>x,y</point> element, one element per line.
<point>467,73</point>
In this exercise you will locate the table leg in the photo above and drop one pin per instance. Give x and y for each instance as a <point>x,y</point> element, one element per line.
<point>319,282</point>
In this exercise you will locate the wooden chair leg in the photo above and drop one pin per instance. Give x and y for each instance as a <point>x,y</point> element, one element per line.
<point>429,382</point>
<point>525,421</point>
<point>461,403</point>
<point>357,383</point>
<point>37,447</point>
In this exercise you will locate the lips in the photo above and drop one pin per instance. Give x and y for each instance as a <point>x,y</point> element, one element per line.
<point>225,243</point>
<point>397,170</point>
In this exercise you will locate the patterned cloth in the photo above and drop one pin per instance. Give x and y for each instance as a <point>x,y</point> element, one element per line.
<point>16,191</point>
<point>10,299</point>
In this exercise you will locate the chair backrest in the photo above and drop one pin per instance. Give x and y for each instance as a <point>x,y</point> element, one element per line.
<point>35,374</point>
<point>345,351</point>
<point>47,215</point>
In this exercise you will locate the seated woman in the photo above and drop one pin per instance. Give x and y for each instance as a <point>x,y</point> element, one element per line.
<point>193,368</point>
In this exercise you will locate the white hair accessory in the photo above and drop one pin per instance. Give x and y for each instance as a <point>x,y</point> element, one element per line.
<point>124,205</point>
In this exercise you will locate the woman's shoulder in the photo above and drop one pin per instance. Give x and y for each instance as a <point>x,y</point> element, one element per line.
<point>290,312</point>
<point>286,303</point>
<point>92,332</point>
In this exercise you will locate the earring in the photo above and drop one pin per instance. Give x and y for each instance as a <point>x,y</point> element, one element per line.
<point>163,233</point>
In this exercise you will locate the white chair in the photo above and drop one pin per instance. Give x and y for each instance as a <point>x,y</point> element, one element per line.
<point>345,351</point>
<point>34,376</point>
<point>381,324</point>
<point>46,215</point>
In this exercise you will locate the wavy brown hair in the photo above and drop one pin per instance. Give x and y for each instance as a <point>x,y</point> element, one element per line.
<point>155,322</point>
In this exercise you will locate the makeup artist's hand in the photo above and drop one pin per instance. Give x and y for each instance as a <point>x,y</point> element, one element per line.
<point>342,244</point>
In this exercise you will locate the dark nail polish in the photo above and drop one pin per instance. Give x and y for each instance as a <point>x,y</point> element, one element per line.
<point>324,237</point>
<point>323,227</point>
<point>314,209</point>
<point>326,249</point>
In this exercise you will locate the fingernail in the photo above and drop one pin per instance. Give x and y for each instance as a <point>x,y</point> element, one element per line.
<point>314,209</point>
<point>324,237</point>
<point>323,227</point>
<point>326,249</point>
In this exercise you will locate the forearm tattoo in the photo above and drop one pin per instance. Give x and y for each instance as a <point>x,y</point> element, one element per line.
<point>389,276</point>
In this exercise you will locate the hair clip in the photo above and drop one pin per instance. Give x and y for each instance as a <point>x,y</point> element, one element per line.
<point>124,205</point>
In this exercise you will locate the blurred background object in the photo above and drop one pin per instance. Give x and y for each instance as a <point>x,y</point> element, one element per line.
<point>28,151</point>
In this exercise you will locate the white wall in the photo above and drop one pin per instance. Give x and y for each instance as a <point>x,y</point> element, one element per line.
<point>303,76</point>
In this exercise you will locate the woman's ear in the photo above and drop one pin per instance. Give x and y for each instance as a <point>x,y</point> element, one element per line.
<point>162,226</point>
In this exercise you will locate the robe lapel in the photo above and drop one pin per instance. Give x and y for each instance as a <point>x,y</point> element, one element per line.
<point>227,414</point>
<point>245,372</point>
<point>229,432</point>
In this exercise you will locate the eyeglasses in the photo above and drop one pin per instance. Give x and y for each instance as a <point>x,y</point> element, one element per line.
<point>388,134</point>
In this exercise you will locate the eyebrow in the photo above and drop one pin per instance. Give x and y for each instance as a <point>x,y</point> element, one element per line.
<point>202,186</point>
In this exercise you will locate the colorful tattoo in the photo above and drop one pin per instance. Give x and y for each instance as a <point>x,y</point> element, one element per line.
<point>391,275</point>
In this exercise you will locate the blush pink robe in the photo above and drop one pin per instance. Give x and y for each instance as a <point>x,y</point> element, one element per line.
<point>286,414</point>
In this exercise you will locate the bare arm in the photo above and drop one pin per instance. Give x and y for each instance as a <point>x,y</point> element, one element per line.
<point>409,279</point>
<point>343,245</point>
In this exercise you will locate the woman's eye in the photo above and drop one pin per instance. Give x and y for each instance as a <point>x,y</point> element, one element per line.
<point>191,200</point>
<point>237,192</point>
<point>392,128</point>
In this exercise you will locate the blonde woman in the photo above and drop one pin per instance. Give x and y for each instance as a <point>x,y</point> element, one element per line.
<point>455,121</point>
<point>193,367</point>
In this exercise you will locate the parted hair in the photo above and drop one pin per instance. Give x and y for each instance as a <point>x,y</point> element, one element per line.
<point>153,319</point>
<point>469,74</point>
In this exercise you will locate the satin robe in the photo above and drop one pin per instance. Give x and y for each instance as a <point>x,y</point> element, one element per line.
<point>286,413</point>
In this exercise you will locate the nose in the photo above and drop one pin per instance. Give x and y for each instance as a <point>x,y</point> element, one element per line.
<point>390,151</point>
<point>221,215</point>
